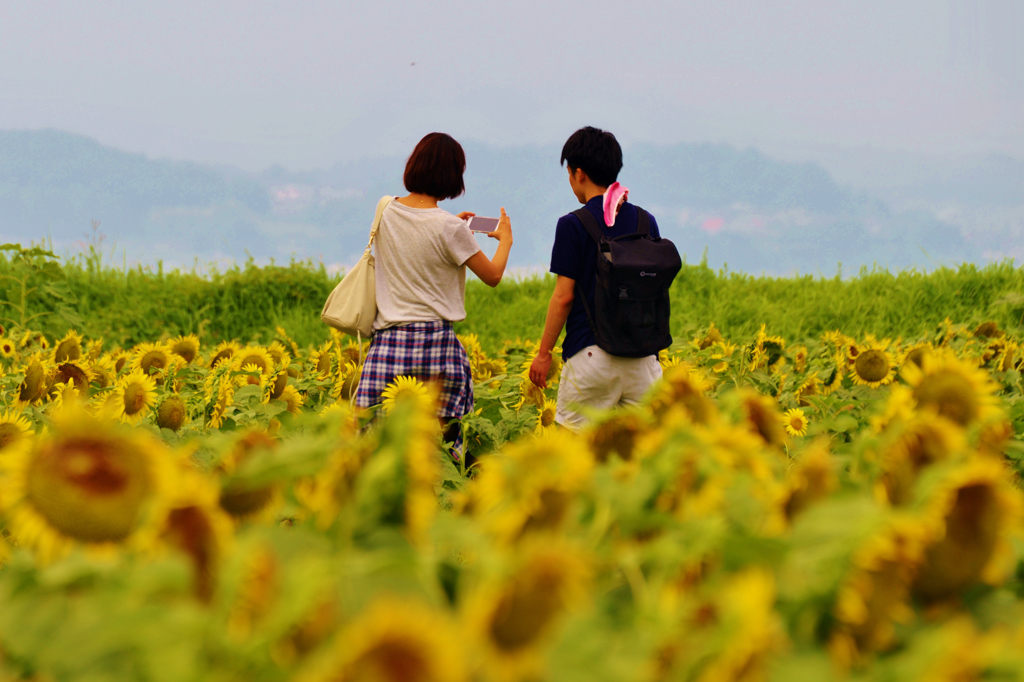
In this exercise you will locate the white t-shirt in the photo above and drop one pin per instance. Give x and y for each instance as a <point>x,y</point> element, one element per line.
<point>420,256</point>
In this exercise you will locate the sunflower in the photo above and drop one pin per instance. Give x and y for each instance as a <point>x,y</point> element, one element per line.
<point>33,386</point>
<point>916,353</point>
<point>320,359</point>
<point>251,375</point>
<point>172,413</point>
<point>980,509</point>
<point>766,350</point>
<point>711,337</point>
<point>761,416</point>
<point>196,526</point>
<point>87,481</point>
<point>617,434</point>
<point>238,497</point>
<point>14,428</point>
<point>346,383</point>
<point>808,389</point>
<point>224,351</point>
<point>795,422</point>
<point>279,354</point>
<point>134,394</point>
<point>7,349</point>
<point>532,486</point>
<point>186,347</point>
<point>68,348</point>
<point>293,399</point>
<point>401,389</point>
<point>254,356</point>
<point>988,330</point>
<point>811,478</point>
<point>911,446</point>
<point>392,640</point>
<point>831,381</point>
<point>257,591</point>
<point>953,388</point>
<point>103,371</point>
<point>71,373</point>
<point>873,596</point>
<point>873,365</point>
<point>513,617</point>
<point>151,359</point>
<point>287,340</point>
<point>546,417</point>
<point>799,354</point>
<point>683,386</point>
<point>736,631</point>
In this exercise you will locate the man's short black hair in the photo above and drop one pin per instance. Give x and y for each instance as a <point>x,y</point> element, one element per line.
<point>597,152</point>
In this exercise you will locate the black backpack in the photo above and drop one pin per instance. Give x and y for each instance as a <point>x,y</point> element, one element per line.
<point>631,304</point>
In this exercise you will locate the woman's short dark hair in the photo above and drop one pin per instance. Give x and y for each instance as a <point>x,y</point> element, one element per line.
<point>435,167</point>
<point>597,152</point>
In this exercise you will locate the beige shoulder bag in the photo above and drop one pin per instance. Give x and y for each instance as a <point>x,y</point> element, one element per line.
<point>352,306</point>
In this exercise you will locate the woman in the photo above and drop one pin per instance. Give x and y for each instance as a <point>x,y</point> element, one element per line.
<point>422,252</point>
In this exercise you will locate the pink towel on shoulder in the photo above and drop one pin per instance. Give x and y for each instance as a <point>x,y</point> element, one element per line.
<point>614,197</point>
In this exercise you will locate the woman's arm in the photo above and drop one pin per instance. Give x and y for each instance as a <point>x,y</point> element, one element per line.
<point>491,270</point>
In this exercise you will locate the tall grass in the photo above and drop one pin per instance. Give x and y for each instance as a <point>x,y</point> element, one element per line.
<point>245,302</point>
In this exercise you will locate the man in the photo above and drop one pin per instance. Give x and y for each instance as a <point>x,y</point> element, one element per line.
<point>590,377</point>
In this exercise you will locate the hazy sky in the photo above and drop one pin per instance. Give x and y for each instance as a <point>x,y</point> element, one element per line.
<point>308,84</point>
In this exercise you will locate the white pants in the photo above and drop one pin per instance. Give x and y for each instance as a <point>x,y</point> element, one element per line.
<point>594,379</point>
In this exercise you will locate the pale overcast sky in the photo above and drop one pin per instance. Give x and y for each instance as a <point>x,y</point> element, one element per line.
<point>308,84</point>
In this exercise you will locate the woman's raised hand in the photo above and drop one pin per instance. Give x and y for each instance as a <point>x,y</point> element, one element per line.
<point>504,231</point>
<point>465,215</point>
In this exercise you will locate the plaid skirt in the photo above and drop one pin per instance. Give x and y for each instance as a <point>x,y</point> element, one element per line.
<point>429,351</point>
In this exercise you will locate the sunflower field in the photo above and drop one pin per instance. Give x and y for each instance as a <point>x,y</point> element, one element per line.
<point>842,508</point>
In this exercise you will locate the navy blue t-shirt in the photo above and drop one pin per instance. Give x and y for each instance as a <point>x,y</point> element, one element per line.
<point>574,255</point>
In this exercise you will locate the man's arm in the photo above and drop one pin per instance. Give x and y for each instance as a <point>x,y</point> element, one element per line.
<point>558,312</point>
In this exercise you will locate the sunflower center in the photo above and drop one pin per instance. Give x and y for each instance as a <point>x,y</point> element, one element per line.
<point>171,414</point>
<point>547,417</point>
<point>221,356</point>
<point>134,398</point>
<point>30,387</point>
<point>872,365</point>
<point>9,433</point>
<point>392,660</point>
<point>256,360</point>
<point>67,350</point>
<point>796,423</point>
<point>69,373</point>
<point>949,393</point>
<point>553,506</point>
<point>153,360</point>
<point>89,488</point>
<point>241,502</point>
<point>190,529</point>
<point>185,351</point>
<point>525,610</point>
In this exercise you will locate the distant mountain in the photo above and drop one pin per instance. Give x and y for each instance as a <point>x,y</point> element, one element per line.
<point>744,208</point>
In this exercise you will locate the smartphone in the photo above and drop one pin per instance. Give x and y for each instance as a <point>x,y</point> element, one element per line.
<point>483,225</point>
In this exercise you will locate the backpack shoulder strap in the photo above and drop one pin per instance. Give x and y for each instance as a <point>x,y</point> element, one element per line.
<point>644,226</point>
<point>589,222</point>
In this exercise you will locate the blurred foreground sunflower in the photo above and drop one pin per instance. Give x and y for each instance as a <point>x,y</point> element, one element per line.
<point>88,481</point>
<point>392,640</point>
<point>952,388</point>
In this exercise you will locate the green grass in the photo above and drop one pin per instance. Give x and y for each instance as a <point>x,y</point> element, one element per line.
<point>127,305</point>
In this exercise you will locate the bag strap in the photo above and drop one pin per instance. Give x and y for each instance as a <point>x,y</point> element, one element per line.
<point>381,205</point>
<point>590,223</point>
<point>643,227</point>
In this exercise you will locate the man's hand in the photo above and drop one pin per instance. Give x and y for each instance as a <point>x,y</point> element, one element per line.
<point>539,369</point>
